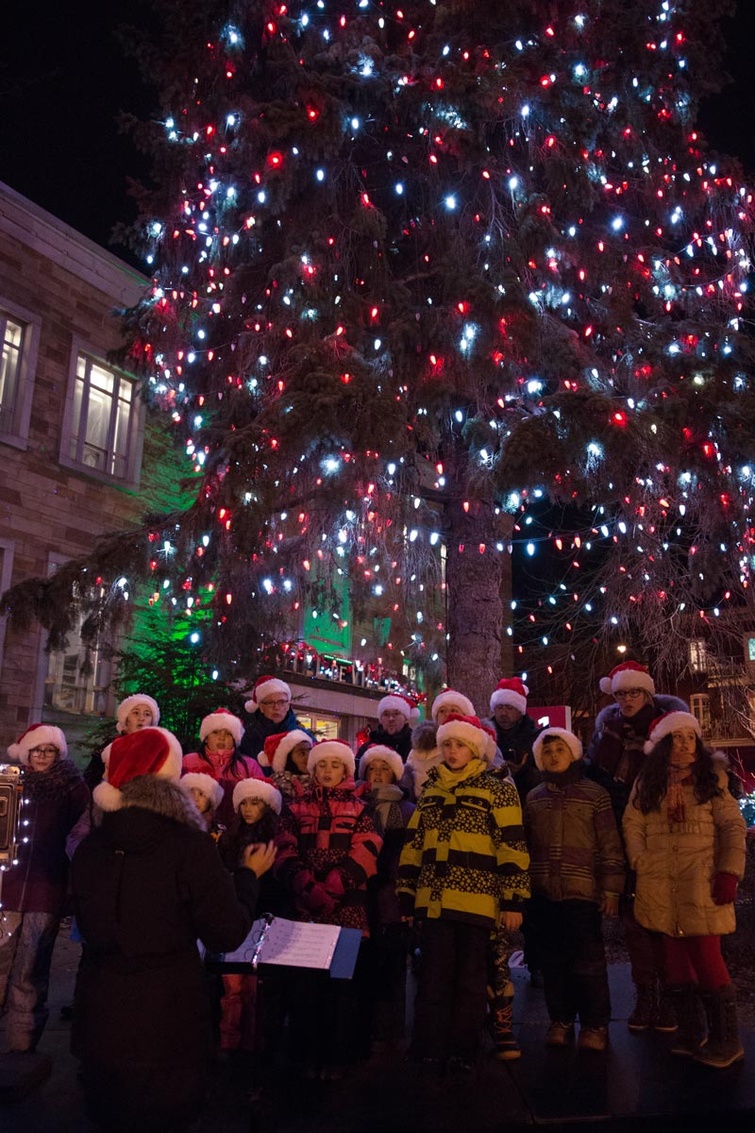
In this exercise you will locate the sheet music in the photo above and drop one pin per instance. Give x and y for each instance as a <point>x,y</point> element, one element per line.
<point>292,943</point>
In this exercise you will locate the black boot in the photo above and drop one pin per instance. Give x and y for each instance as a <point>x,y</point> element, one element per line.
<point>690,1016</point>
<point>644,1009</point>
<point>724,1046</point>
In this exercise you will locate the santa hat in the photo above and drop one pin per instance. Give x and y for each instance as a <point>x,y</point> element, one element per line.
<point>381,751</point>
<point>510,690</point>
<point>221,718</point>
<point>629,674</point>
<point>149,751</point>
<point>331,749</point>
<point>130,702</point>
<point>670,722</point>
<point>34,736</point>
<point>462,704</point>
<point>257,789</point>
<point>573,743</point>
<point>395,702</point>
<point>278,748</point>
<point>204,783</point>
<point>470,731</point>
<point>263,687</point>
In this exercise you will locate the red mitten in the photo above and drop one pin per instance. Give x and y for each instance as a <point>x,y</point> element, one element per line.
<point>318,900</point>
<point>334,884</point>
<point>724,888</point>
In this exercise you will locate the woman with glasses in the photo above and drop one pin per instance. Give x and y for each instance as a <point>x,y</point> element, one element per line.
<point>270,713</point>
<point>614,759</point>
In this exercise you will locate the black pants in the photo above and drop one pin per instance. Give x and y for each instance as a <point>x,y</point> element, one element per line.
<point>572,959</point>
<point>449,1011</point>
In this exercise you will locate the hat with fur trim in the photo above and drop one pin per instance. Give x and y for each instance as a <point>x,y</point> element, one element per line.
<point>257,789</point>
<point>266,686</point>
<point>34,736</point>
<point>629,674</point>
<point>461,703</point>
<point>510,690</point>
<point>670,722</point>
<point>130,702</point>
<point>470,731</point>
<point>148,751</point>
<point>204,783</point>
<point>331,749</point>
<point>381,751</point>
<point>222,718</point>
<point>278,748</point>
<point>573,743</point>
<point>396,702</point>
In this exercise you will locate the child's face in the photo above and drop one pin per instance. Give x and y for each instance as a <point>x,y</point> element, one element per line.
<point>201,799</point>
<point>42,758</point>
<point>555,755</point>
<point>329,772</point>
<point>445,711</point>
<point>219,740</point>
<point>300,755</point>
<point>379,772</point>
<point>252,810</point>
<point>683,745</point>
<point>140,716</point>
<point>455,754</point>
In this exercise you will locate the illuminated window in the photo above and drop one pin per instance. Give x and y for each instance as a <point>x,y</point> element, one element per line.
<point>19,342</point>
<point>76,681</point>
<point>698,656</point>
<point>751,649</point>
<point>103,426</point>
<point>699,704</point>
<point>324,727</point>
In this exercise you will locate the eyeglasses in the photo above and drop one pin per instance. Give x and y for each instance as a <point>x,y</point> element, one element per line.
<point>628,694</point>
<point>273,703</point>
<point>43,751</point>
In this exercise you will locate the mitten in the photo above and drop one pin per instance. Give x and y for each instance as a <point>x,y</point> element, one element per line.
<point>724,888</point>
<point>334,883</point>
<point>318,900</point>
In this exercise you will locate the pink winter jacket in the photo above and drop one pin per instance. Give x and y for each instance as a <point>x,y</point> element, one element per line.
<point>225,770</point>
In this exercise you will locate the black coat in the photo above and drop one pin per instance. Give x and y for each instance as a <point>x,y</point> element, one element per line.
<point>258,728</point>
<point>401,742</point>
<point>515,745</point>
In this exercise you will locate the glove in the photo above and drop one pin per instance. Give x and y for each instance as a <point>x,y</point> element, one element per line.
<point>318,900</point>
<point>724,888</point>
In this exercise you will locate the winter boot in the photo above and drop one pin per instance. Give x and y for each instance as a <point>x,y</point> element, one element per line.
<point>724,1046</point>
<point>665,1015</point>
<point>644,1009</point>
<point>501,1026</point>
<point>692,1025</point>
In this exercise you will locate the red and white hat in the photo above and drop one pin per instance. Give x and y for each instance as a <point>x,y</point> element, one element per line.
<point>149,751</point>
<point>266,686</point>
<point>331,749</point>
<point>460,703</point>
<point>629,674</point>
<point>381,751</point>
<point>278,748</point>
<point>204,783</point>
<point>396,702</point>
<point>257,789</point>
<point>130,702</point>
<point>222,718</point>
<point>510,690</point>
<point>670,722</point>
<point>573,743</point>
<point>34,736</point>
<point>472,732</point>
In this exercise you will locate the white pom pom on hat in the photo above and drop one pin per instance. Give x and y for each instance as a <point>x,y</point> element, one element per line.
<point>666,724</point>
<point>573,743</point>
<point>331,749</point>
<point>510,690</point>
<point>148,751</point>
<point>396,702</point>
<point>266,686</point>
<point>34,736</point>
<point>453,699</point>
<point>381,751</point>
<point>278,748</point>
<point>257,789</point>
<point>130,702</point>
<point>204,783</point>
<point>470,731</point>
<point>629,674</point>
<point>222,718</point>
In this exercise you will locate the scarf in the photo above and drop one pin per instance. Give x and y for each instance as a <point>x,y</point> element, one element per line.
<point>387,813</point>
<point>53,783</point>
<point>450,780</point>
<point>574,772</point>
<point>678,774</point>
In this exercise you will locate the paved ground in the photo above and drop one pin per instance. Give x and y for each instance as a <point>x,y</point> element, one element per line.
<point>635,1086</point>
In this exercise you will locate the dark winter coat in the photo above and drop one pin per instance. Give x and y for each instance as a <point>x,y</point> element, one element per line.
<point>258,728</point>
<point>148,883</point>
<point>391,812</point>
<point>54,801</point>
<point>515,746</point>
<point>401,742</point>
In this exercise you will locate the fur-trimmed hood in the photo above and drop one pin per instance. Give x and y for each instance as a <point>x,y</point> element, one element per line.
<point>163,797</point>
<point>663,702</point>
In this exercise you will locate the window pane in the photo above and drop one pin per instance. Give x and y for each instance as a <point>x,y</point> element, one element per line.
<point>104,416</point>
<point>10,368</point>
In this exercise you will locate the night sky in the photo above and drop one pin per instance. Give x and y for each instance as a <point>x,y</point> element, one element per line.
<point>63,80</point>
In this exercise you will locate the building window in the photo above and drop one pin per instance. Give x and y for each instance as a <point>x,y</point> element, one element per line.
<point>324,727</point>
<point>76,680</point>
<point>699,704</point>
<point>104,426</point>
<point>6,571</point>
<point>19,343</point>
<point>698,656</point>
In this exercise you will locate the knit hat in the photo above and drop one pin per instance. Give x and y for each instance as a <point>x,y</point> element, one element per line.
<point>222,718</point>
<point>629,674</point>
<point>381,751</point>
<point>130,702</point>
<point>395,702</point>
<point>573,743</point>
<point>331,749</point>
<point>34,736</point>
<point>257,789</point>
<point>510,690</point>
<point>265,686</point>
<point>278,748</point>
<point>204,783</point>
<point>670,722</point>
<point>449,696</point>
<point>149,751</point>
<point>472,732</point>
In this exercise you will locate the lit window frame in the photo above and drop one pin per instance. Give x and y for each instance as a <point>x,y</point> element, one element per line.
<point>14,427</point>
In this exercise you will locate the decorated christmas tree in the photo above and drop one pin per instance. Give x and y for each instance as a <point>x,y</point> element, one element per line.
<point>419,271</point>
